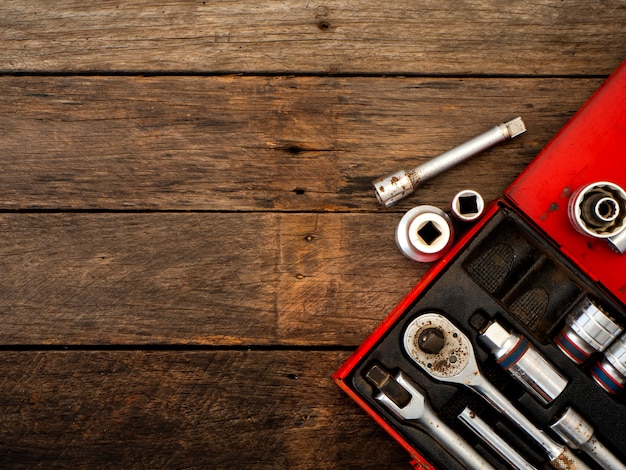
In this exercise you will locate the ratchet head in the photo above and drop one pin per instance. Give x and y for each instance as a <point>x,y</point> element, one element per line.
<point>442,350</point>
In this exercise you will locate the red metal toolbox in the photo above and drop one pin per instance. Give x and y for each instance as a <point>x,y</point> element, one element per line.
<point>535,295</point>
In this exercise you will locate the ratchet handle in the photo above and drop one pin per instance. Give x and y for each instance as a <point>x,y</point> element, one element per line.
<point>490,393</point>
<point>455,444</point>
<point>568,461</point>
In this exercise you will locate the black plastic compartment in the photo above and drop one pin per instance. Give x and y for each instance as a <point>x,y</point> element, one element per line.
<point>508,272</point>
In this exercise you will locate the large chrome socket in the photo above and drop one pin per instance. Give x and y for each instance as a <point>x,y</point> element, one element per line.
<point>610,372</point>
<point>515,354</point>
<point>424,234</point>
<point>599,210</point>
<point>587,329</point>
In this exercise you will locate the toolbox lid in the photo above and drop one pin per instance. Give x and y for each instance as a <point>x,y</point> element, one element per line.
<point>590,148</point>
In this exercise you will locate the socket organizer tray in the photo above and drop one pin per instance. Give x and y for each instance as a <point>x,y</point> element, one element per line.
<point>510,352</point>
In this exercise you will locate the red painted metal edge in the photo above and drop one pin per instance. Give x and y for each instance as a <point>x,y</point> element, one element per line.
<point>340,375</point>
<point>590,148</point>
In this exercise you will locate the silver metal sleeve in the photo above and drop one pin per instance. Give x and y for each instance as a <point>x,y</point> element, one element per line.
<point>577,433</point>
<point>518,357</point>
<point>420,414</point>
<point>391,188</point>
<point>538,376</point>
<point>495,441</point>
<point>459,154</point>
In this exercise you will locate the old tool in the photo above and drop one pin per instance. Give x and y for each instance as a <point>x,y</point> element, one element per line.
<point>588,329</point>
<point>396,186</point>
<point>494,440</point>
<point>424,234</point>
<point>610,371</point>
<point>598,209</point>
<point>577,433</point>
<point>401,396</point>
<point>515,354</point>
<point>467,205</point>
<point>453,361</point>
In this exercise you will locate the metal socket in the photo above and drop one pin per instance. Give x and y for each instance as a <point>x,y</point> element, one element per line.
<point>424,234</point>
<point>467,205</point>
<point>610,372</point>
<point>515,354</point>
<point>578,433</point>
<point>588,329</point>
<point>598,209</point>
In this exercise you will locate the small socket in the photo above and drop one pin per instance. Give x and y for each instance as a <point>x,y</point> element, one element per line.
<point>576,432</point>
<point>424,234</point>
<point>467,205</point>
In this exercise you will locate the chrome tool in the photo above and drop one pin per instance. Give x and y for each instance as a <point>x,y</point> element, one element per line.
<point>446,354</point>
<point>598,209</point>
<point>401,396</point>
<point>424,234</point>
<point>467,205</point>
<point>577,433</point>
<point>610,372</point>
<point>515,354</point>
<point>495,441</point>
<point>588,329</point>
<point>396,186</point>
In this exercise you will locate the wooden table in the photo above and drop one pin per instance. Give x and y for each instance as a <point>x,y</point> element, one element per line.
<point>190,245</point>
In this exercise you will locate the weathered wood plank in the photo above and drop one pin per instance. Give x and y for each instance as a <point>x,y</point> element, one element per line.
<point>430,37</point>
<point>95,410</point>
<point>180,278</point>
<point>258,143</point>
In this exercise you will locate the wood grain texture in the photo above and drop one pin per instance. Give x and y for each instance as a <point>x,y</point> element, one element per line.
<point>78,409</point>
<point>208,279</point>
<point>188,238</point>
<point>259,143</point>
<point>549,37</point>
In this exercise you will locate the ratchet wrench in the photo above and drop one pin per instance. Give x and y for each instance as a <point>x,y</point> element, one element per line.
<point>401,396</point>
<point>446,354</point>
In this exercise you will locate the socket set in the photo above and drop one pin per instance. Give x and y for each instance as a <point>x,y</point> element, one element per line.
<point>511,351</point>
